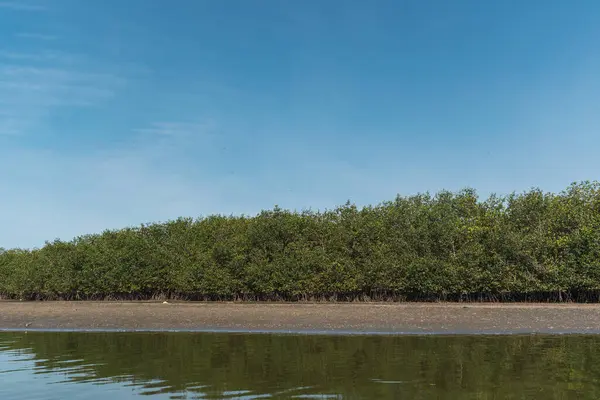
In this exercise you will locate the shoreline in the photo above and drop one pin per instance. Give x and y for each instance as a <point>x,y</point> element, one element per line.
<point>303,318</point>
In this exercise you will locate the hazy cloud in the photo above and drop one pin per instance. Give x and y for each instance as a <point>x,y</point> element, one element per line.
<point>179,129</point>
<point>45,55</point>
<point>54,86</point>
<point>18,6</point>
<point>8,127</point>
<point>37,36</point>
<point>30,93</point>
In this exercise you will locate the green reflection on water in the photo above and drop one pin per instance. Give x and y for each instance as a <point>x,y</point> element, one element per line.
<point>191,365</point>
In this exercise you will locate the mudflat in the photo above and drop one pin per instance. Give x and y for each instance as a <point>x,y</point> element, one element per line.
<point>388,318</point>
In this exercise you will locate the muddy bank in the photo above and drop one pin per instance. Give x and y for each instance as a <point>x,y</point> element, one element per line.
<point>348,318</point>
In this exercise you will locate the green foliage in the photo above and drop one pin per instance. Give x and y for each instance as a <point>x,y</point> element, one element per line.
<point>533,245</point>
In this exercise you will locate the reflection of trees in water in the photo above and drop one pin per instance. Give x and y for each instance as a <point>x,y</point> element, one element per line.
<point>354,366</point>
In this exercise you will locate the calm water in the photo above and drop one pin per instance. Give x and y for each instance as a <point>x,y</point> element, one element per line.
<point>237,366</point>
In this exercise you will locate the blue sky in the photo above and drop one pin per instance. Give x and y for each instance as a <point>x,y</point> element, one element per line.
<point>118,112</point>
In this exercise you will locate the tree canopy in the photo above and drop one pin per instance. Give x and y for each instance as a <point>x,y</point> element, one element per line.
<point>449,246</point>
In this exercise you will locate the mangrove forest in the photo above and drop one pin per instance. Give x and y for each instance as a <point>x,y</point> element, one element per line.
<point>448,246</point>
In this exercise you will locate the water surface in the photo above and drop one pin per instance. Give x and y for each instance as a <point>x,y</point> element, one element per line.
<point>55,365</point>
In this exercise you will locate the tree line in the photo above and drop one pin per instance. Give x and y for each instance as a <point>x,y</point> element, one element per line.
<point>448,246</point>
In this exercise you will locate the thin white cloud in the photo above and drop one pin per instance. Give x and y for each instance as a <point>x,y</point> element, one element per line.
<point>35,36</point>
<point>19,56</point>
<point>54,86</point>
<point>7,129</point>
<point>179,129</point>
<point>52,73</point>
<point>45,56</point>
<point>19,6</point>
<point>29,94</point>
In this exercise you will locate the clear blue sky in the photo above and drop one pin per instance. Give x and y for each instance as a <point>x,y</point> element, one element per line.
<point>118,112</point>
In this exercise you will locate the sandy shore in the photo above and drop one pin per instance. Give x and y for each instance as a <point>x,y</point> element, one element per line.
<point>411,318</point>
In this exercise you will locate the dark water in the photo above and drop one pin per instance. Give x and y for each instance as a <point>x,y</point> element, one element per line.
<point>237,366</point>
